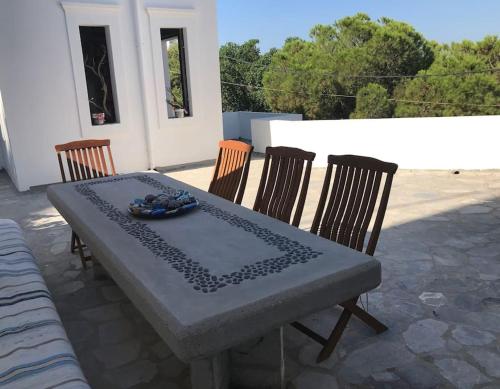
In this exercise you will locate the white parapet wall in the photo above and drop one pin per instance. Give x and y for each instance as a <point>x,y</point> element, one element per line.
<point>470,142</point>
<point>238,124</point>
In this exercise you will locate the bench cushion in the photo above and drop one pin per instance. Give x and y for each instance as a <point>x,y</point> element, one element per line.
<point>34,349</point>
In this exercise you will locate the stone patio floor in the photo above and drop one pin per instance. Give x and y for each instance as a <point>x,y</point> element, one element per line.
<point>440,297</point>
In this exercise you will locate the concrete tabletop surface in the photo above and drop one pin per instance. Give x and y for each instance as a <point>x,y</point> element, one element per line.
<point>216,276</point>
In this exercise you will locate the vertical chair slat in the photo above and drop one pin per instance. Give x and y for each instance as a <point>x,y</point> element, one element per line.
<point>333,205</point>
<point>303,194</point>
<point>70,165</point>
<point>98,161</point>
<point>281,181</point>
<point>111,162</point>
<point>86,162</point>
<point>103,160</point>
<point>277,195</point>
<point>287,199</point>
<point>81,164</point>
<point>93,163</point>
<point>76,169</point>
<point>61,166</point>
<point>345,231</point>
<point>322,199</point>
<point>229,176</point>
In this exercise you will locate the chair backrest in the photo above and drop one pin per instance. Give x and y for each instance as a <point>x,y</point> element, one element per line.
<point>85,159</point>
<point>352,198</point>
<point>282,176</point>
<point>231,170</point>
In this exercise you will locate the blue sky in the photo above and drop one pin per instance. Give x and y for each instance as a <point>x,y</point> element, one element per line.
<point>272,21</point>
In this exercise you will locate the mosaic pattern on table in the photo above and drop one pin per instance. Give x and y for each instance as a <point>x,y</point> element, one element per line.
<point>199,276</point>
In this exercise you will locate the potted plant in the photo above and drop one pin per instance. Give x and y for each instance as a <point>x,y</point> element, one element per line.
<point>97,69</point>
<point>175,102</point>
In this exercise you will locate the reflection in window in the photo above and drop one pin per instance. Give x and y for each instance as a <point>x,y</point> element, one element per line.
<point>100,90</point>
<point>174,66</point>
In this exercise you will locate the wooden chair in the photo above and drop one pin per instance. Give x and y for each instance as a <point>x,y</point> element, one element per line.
<point>281,180</point>
<point>231,170</point>
<point>85,160</point>
<point>345,219</point>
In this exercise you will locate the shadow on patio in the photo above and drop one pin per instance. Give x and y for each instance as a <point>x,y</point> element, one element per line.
<point>440,297</point>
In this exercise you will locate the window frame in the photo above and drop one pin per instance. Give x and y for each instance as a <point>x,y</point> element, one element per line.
<point>184,76</point>
<point>96,15</point>
<point>173,18</point>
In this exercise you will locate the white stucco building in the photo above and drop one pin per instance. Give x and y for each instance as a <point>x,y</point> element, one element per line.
<point>47,98</point>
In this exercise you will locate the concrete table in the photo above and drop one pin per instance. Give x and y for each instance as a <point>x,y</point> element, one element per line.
<point>214,277</point>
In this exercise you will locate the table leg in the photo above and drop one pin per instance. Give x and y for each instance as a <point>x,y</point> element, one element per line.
<point>211,373</point>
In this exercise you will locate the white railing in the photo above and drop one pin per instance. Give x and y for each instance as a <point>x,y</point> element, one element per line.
<point>471,142</point>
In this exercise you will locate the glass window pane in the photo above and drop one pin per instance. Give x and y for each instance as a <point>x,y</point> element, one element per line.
<point>174,66</point>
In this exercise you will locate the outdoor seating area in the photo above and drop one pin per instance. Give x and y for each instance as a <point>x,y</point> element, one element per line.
<point>438,265</point>
<point>209,194</point>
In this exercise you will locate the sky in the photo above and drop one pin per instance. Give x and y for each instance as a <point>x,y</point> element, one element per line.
<point>272,21</point>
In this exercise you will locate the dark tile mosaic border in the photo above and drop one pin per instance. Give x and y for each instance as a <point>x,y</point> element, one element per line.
<point>194,273</point>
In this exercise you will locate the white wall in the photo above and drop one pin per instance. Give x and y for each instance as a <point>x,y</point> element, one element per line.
<point>413,143</point>
<point>238,124</point>
<point>37,82</point>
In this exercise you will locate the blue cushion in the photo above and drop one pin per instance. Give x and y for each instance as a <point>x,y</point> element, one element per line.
<point>34,349</point>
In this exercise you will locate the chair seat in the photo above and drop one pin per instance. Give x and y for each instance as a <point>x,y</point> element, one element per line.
<point>34,349</point>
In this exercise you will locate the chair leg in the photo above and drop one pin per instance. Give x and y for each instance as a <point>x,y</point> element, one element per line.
<point>334,337</point>
<point>365,317</point>
<point>79,246</point>
<point>73,239</point>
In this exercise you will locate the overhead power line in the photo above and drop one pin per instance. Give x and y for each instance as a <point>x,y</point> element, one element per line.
<point>365,76</point>
<point>354,97</point>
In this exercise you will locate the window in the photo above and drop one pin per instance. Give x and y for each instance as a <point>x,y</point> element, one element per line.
<point>175,74</point>
<point>99,75</point>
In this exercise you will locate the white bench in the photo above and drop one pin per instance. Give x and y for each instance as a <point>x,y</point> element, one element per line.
<point>34,349</point>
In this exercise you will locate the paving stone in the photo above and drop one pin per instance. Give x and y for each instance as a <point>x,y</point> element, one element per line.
<point>420,374</point>
<point>376,357</point>
<point>488,360</point>
<point>474,209</point>
<point>427,246</point>
<point>117,355</point>
<point>79,331</point>
<point>115,331</point>
<point>172,367</point>
<point>311,379</point>
<point>69,287</point>
<point>425,335</point>
<point>255,377</point>
<point>460,373</point>
<point>385,376</point>
<point>133,374</point>
<point>113,293</point>
<point>103,313</point>
<point>161,350</point>
<point>488,251</point>
<point>434,299</point>
<point>58,248</point>
<point>470,336</point>
<point>71,274</point>
<point>310,352</point>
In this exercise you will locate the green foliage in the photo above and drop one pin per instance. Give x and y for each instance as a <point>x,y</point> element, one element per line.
<point>310,72</point>
<point>174,65</point>
<point>481,88</point>
<point>294,84</point>
<point>243,64</point>
<point>319,77</point>
<point>372,102</point>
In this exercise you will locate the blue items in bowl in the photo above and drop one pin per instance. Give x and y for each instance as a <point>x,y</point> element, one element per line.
<point>163,205</point>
